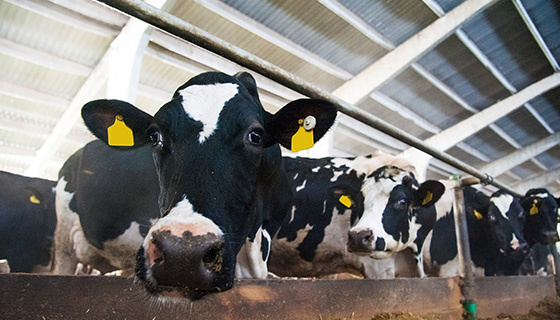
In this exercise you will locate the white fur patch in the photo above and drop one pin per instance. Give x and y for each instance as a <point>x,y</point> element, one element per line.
<point>204,103</point>
<point>503,202</point>
<point>250,263</point>
<point>183,218</point>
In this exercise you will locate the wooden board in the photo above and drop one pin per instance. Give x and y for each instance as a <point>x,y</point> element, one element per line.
<point>87,297</point>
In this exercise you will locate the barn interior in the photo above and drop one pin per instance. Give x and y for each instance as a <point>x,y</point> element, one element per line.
<point>475,79</point>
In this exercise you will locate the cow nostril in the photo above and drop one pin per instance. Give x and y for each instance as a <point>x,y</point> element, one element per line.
<point>214,257</point>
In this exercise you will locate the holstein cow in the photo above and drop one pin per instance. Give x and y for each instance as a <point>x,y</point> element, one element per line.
<point>331,194</point>
<point>541,228</point>
<point>495,231</point>
<point>542,217</point>
<point>27,222</point>
<point>220,170</point>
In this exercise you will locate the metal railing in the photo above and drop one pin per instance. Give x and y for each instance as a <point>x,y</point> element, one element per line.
<point>175,26</point>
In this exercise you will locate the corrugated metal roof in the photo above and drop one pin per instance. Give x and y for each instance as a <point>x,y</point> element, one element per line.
<point>49,49</point>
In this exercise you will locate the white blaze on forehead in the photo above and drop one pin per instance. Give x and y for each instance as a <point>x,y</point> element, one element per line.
<point>502,203</point>
<point>183,218</point>
<point>205,102</point>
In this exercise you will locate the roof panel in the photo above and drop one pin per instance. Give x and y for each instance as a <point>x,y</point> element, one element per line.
<point>544,14</point>
<point>396,20</point>
<point>453,64</point>
<point>411,90</point>
<point>550,158</point>
<point>503,37</point>
<point>342,45</point>
<point>522,127</point>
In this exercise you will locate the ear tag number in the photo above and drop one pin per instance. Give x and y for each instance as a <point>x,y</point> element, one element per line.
<point>478,215</point>
<point>119,134</point>
<point>428,198</point>
<point>346,201</point>
<point>303,138</point>
<point>534,210</point>
<point>34,199</point>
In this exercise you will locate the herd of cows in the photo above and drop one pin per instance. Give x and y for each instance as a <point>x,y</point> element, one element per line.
<point>202,195</point>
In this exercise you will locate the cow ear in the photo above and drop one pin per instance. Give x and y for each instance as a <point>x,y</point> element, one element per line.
<point>117,123</point>
<point>429,193</point>
<point>345,195</point>
<point>281,127</point>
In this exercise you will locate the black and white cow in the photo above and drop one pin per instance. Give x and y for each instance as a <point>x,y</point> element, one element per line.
<point>540,205</point>
<point>220,170</point>
<point>330,195</point>
<point>495,230</point>
<point>541,209</point>
<point>27,222</point>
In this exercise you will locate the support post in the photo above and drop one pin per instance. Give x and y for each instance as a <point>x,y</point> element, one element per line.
<point>556,259</point>
<point>463,249</point>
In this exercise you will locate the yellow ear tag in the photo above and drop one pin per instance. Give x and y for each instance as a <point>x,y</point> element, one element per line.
<point>478,215</point>
<point>346,201</point>
<point>119,134</point>
<point>534,210</point>
<point>303,138</point>
<point>33,199</point>
<point>428,198</point>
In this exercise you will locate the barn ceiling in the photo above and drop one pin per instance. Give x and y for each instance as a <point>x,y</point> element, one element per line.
<point>477,79</point>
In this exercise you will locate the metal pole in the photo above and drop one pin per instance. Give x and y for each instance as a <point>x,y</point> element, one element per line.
<point>175,26</point>
<point>463,249</point>
<point>556,259</point>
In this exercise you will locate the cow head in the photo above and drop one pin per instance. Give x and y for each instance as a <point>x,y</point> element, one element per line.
<point>391,197</point>
<point>541,209</point>
<point>216,151</point>
<point>507,219</point>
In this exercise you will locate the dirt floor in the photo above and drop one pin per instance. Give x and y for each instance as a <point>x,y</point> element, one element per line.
<point>547,309</point>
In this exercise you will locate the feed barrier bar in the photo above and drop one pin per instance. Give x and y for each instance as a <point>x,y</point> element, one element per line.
<point>175,26</point>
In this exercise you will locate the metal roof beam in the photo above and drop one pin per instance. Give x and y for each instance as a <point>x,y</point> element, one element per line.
<point>67,16</point>
<point>457,133</point>
<point>213,61</point>
<point>31,95</point>
<point>270,35</point>
<point>481,56</point>
<point>359,87</point>
<point>516,158</point>
<point>540,181</point>
<point>96,11</point>
<point>536,34</point>
<point>42,58</point>
<point>358,23</point>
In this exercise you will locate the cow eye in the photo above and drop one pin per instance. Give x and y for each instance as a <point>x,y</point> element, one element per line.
<point>400,204</point>
<point>157,140</point>
<point>255,137</point>
<point>492,218</point>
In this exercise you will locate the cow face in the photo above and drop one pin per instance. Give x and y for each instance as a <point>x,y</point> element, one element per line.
<point>216,152</point>
<point>391,197</point>
<point>507,218</point>
<point>541,209</point>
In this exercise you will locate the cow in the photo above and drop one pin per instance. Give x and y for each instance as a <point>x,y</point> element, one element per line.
<point>331,194</point>
<point>495,230</point>
<point>542,216</point>
<point>27,222</point>
<point>219,166</point>
<point>540,206</point>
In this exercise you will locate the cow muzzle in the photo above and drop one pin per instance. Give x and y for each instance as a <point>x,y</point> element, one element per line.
<point>360,241</point>
<point>189,266</point>
<point>548,237</point>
